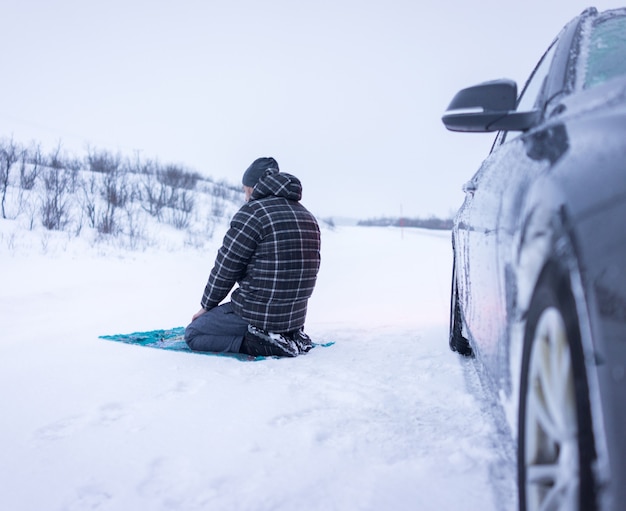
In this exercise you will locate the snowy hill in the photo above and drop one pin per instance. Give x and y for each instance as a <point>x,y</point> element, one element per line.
<point>106,199</point>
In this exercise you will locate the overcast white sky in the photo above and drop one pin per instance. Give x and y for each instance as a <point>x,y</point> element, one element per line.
<point>345,94</point>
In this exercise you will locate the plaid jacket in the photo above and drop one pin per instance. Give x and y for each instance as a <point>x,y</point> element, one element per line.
<point>272,250</point>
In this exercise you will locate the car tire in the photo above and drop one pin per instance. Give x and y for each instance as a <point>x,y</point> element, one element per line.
<point>555,441</point>
<point>456,340</point>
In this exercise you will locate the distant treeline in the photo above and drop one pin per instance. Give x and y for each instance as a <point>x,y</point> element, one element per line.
<point>424,223</point>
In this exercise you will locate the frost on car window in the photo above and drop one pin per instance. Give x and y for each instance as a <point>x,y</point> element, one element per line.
<point>607,52</point>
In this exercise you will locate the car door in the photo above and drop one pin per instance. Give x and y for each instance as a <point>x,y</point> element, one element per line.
<point>484,310</point>
<point>490,217</point>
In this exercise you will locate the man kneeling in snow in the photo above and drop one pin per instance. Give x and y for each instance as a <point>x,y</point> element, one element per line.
<point>272,250</point>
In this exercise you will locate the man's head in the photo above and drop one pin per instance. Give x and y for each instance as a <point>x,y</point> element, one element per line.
<point>258,167</point>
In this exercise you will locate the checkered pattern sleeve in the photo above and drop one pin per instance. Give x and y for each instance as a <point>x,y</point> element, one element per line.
<point>233,258</point>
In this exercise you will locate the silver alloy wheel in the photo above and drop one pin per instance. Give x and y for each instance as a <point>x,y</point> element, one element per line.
<point>551,426</point>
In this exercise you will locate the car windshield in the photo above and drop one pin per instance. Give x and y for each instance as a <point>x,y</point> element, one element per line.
<point>607,51</point>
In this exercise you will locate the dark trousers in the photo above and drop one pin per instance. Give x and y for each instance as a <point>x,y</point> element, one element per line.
<point>219,330</point>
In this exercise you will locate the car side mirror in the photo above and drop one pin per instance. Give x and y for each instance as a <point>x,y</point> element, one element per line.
<point>489,106</point>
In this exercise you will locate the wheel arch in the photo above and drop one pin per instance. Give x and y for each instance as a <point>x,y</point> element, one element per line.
<point>548,255</point>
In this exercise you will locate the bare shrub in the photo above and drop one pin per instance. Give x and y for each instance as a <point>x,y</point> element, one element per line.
<point>11,241</point>
<point>135,230</point>
<point>103,162</point>
<point>55,158</point>
<point>218,206</point>
<point>89,196</point>
<point>115,193</point>
<point>55,201</point>
<point>106,222</point>
<point>227,191</point>
<point>177,177</point>
<point>30,167</point>
<point>181,209</point>
<point>10,153</point>
<point>153,194</point>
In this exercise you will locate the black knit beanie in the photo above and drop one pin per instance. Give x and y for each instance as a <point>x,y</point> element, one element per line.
<point>254,172</point>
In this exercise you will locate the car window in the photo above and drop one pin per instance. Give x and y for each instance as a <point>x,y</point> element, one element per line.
<point>607,51</point>
<point>531,96</point>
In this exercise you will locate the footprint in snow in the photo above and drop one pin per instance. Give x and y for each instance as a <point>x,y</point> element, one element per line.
<point>87,497</point>
<point>59,429</point>
<point>183,387</point>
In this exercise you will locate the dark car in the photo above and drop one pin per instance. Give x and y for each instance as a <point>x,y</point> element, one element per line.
<point>539,274</point>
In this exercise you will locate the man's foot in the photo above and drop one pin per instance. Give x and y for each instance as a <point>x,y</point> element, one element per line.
<point>302,340</point>
<point>259,343</point>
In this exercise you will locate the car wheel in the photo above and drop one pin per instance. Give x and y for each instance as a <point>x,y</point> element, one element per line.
<point>555,441</point>
<point>457,342</point>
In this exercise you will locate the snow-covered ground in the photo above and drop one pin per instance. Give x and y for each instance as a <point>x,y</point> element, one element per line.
<point>385,419</point>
